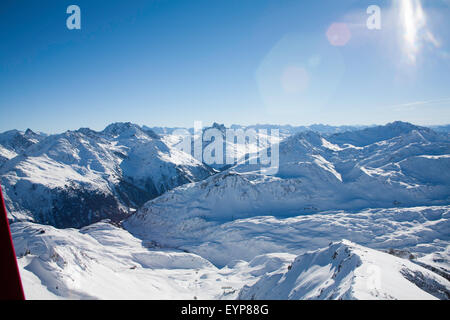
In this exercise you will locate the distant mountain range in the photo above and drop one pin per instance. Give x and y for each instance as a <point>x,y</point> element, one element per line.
<point>80,177</point>
<point>153,222</point>
<point>397,165</point>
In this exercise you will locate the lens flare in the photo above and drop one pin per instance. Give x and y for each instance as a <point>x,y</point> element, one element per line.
<point>294,80</point>
<point>339,34</point>
<point>415,32</point>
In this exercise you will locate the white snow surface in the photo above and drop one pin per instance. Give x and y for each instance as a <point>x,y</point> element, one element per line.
<point>421,230</point>
<point>345,270</point>
<point>103,261</point>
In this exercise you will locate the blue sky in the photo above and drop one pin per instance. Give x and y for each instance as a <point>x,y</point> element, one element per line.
<point>171,62</point>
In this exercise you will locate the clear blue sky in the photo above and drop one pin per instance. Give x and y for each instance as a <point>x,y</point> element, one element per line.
<point>170,62</point>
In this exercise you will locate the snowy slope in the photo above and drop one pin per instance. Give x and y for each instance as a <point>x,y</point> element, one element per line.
<point>15,142</point>
<point>347,271</point>
<point>79,177</point>
<point>102,261</point>
<point>437,262</point>
<point>419,231</point>
<point>6,154</point>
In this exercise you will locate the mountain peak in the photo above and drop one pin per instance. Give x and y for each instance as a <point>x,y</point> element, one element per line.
<point>122,129</point>
<point>401,125</point>
<point>361,138</point>
<point>29,132</point>
<point>87,131</point>
<point>219,126</point>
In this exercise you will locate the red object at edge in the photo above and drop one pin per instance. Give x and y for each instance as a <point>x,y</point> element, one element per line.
<point>10,283</point>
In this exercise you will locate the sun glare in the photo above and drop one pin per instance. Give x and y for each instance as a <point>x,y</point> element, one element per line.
<point>413,22</point>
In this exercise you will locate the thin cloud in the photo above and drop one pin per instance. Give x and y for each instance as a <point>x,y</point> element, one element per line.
<point>416,104</point>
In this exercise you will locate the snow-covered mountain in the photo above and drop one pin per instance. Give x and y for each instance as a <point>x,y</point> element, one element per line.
<point>14,142</point>
<point>315,175</point>
<point>103,261</point>
<point>367,136</point>
<point>79,177</point>
<point>263,135</point>
<point>237,233</point>
<point>443,128</point>
<point>216,141</point>
<point>347,271</point>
